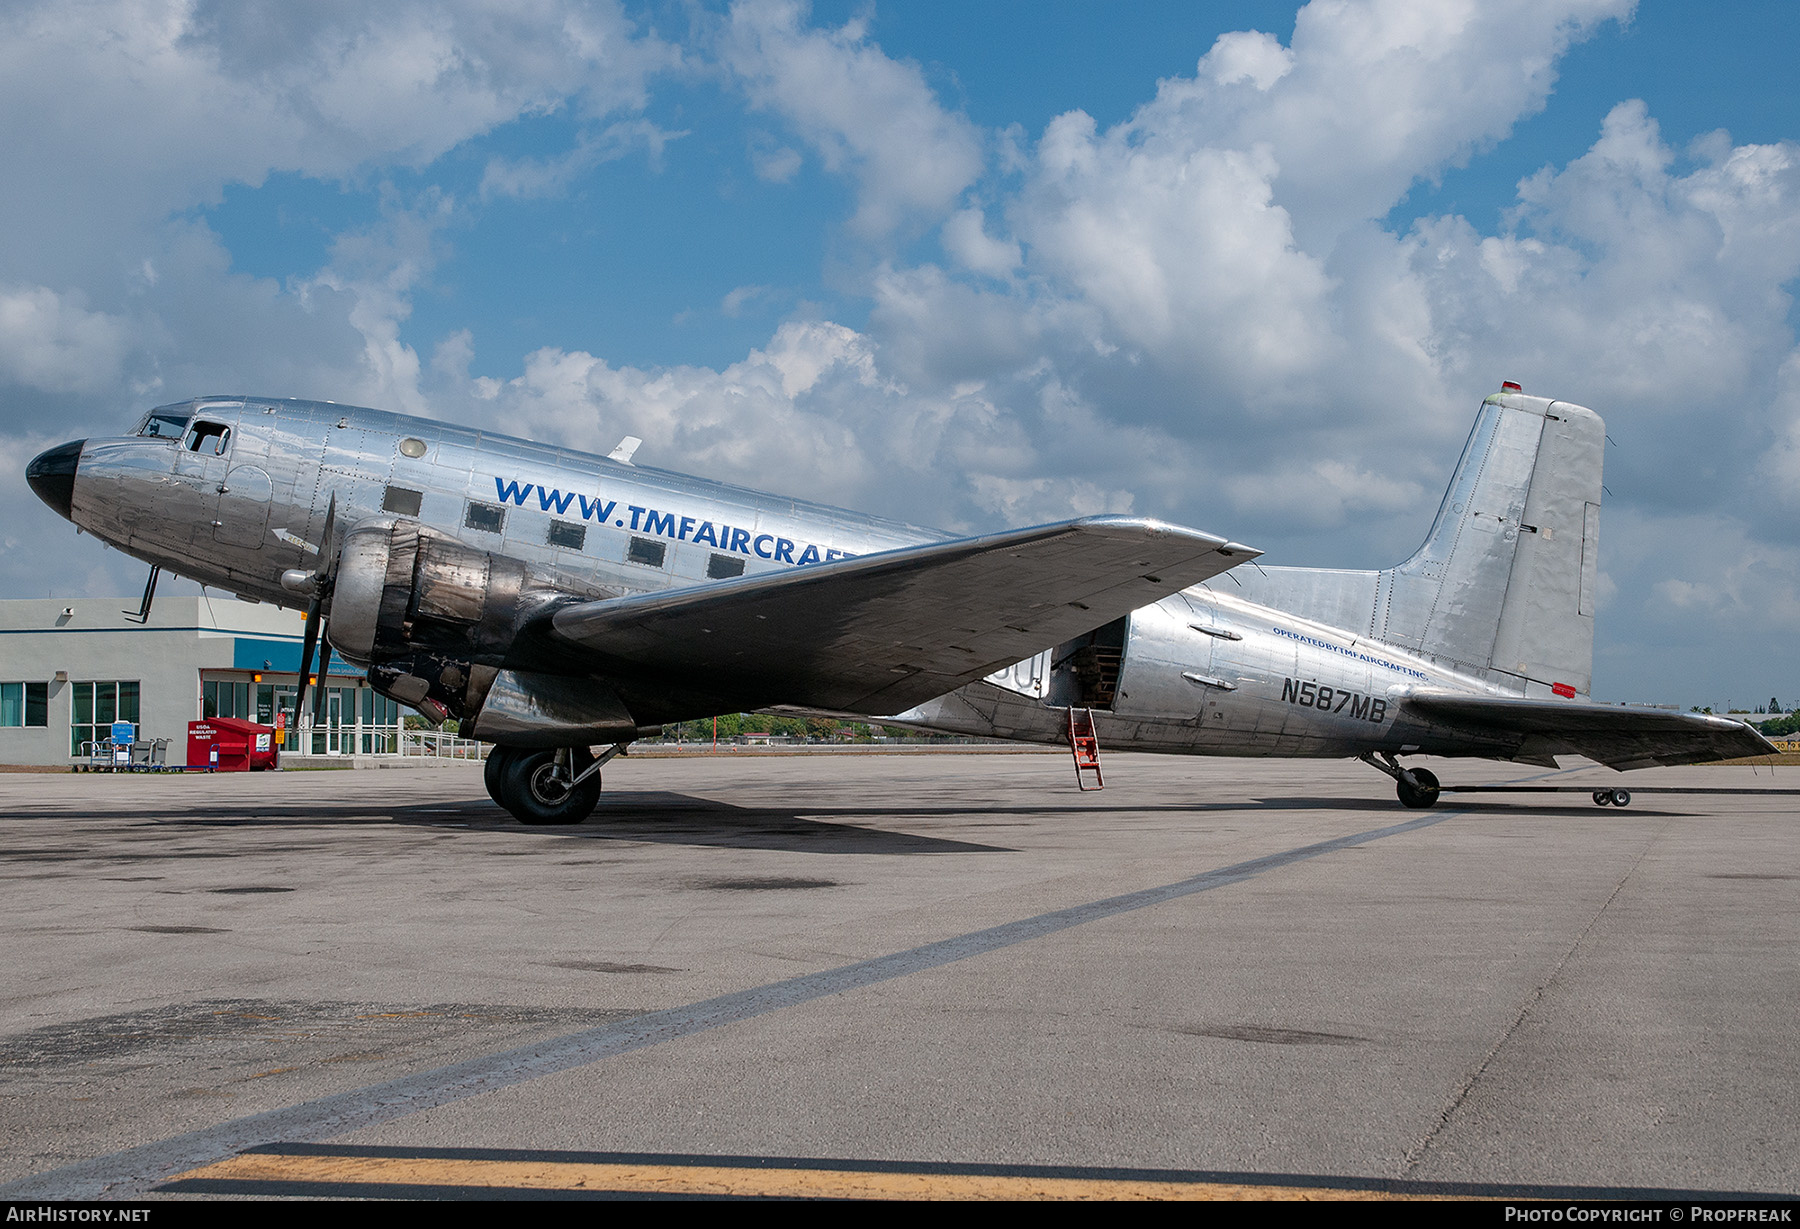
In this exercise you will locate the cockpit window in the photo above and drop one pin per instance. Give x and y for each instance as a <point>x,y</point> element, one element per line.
<point>163,424</point>
<point>211,438</point>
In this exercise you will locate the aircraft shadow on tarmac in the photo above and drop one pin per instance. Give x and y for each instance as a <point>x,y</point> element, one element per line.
<point>680,819</point>
<point>662,817</point>
<point>1486,810</point>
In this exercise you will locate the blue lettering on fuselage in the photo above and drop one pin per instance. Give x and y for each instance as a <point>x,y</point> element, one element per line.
<point>670,525</point>
<point>595,510</point>
<point>1357,654</point>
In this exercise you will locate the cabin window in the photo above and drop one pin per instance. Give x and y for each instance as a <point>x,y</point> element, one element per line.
<point>723,567</point>
<point>489,517</point>
<point>399,499</point>
<point>211,438</point>
<point>412,446</point>
<point>646,551</point>
<point>567,535</point>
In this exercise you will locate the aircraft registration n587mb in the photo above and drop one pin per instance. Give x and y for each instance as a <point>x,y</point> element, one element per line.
<point>553,601</point>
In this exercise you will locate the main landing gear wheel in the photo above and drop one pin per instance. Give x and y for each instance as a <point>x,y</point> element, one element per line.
<point>1612,797</point>
<point>1421,791</point>
<point>493,772</point>
<point>534,786</point>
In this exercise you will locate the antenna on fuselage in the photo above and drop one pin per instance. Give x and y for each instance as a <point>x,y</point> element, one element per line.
<point>626,449</point>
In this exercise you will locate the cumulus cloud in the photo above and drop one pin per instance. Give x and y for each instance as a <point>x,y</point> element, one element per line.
<point>1657,293</point>
<point>968,243</point>
<point>50,342</point>
<point>865,114</point>
<point>772,162</point>
<point>128,111</point>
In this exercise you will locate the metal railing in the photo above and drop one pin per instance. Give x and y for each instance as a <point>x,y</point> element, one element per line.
<point>440,745</point>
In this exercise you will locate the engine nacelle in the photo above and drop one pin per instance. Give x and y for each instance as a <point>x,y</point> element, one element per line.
<point>525,708</point>
<point>435,620</point>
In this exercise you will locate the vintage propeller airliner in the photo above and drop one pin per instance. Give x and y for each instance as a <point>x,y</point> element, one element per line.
<point>553,601</point>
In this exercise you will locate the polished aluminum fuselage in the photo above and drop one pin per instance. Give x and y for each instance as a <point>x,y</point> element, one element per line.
<point>1203,672</point>
<point>240,519</point>
<point>1256,681</point>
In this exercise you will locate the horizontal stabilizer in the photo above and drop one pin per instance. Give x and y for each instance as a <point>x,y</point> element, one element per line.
<point>883,632</point>
<point>1618,737</point>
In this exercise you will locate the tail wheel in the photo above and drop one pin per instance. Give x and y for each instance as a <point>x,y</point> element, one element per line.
<point>1421,791</point>
<point>535,788</point>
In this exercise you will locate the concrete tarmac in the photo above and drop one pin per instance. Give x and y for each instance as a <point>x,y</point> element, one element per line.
<point>900,975</point>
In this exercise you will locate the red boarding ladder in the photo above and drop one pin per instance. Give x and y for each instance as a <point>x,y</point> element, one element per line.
<point>1086,747</point>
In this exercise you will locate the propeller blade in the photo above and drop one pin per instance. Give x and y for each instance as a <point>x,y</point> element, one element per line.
<point>315,619</point>
<point>327,556</point>
<point>309,643</point>
<point>327,574</point>
<point>319,692</point>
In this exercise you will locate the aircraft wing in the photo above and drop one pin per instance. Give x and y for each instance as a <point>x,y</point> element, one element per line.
<point>1618,737</point>
<point>883,632</point>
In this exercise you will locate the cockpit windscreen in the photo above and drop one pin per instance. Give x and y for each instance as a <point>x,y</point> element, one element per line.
<point>165,422</point>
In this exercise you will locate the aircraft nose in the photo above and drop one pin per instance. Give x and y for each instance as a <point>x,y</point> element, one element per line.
<point>52,475</point>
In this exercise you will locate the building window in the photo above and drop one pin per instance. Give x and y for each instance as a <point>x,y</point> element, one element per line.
<point>381,723</point>
<point>399,499</point>
<point>489,517</point>
<point>646,551</point>
<point>24,705</point>
<point>723,567</point>
<point>565,534</point>
<point>93,707</point>
<point>225,699</point>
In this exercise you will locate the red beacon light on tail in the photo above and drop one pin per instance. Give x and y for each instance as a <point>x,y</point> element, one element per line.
<point>1511,386</point>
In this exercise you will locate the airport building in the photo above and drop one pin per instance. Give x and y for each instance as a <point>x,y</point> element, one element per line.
<point>70,669</point>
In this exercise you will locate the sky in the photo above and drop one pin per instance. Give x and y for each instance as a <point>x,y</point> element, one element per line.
<point>1248,267</point>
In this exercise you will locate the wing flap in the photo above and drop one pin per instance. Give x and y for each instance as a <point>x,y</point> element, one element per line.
<point>1619,737</point>
<point>880,633</point>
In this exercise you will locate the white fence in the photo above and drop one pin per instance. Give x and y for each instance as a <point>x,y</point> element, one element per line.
<point>440,746</point>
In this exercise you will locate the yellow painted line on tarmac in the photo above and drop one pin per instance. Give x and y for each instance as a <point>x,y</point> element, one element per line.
<point>728,1180</point>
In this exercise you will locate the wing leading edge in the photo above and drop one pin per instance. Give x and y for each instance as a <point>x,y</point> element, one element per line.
<point>880,633</point>
<point>1617,737</point>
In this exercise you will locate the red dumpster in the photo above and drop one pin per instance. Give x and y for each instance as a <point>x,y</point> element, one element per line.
<point>228,744</point>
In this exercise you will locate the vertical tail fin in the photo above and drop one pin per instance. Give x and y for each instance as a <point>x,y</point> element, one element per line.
<point>1505,580</point>
<point>1504,583</point>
